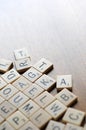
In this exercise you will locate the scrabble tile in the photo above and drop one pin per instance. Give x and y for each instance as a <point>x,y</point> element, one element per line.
<point>72,127</point>
<point>2,83</point>
<point>73,116</point>
<point>32,74</point>
<point>8,91</point>
<point>64,81</point>
<point>6,126</point>
<point>11,76</point>
<point>22,83</point>
<point>44,99</point>
<point>40,118</point>
<point>29,126</point>
<point>18,99</point>
<point>5,65</point>
<point>29,108</point>
<point>1,99</point>
<point>17,120</point>
<point>54,125</point>
<point>21,53</point>
<point>6,109</point>
<point>46,82</point>
<point>56,109</point>
<point>22,65</point>
<point>43,65</point>
<point>66,97</point>
<point>1,119</point>
<point>33,91</point>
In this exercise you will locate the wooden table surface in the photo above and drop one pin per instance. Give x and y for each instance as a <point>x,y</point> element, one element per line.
<point>54,29</point>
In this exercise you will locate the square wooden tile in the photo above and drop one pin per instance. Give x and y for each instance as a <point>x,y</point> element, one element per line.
<point>64,81</point>
<point>72,127</point>
<point>17,120</point>
<point>18,99</point>
<point>1,119</point>
<point>32,74</point>
<point>33,91</point>
<point>6,126</point>
<point>5,65</point>
<point>66,97</point>
<point>43,65</point>
<point>29,108</point>
<point>40,118</point>
<point>6,109</point>
<point>8,91</point>
<point>2,83</point>
<point>56,109</point>
<point>22,65</point>
<point>22,83</point>
<point>44,99</point>
<point>52,125</point>
<point>46,82</point>
<point>11,76</point>
<point>73,116</point>
<point>1,99</point>
<point>21,53</point>
<point>29,126</point>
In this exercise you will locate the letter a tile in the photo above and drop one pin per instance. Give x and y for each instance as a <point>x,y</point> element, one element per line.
<point>64,81</point>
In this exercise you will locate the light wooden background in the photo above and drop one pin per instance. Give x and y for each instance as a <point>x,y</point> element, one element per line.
<point>54,29</point>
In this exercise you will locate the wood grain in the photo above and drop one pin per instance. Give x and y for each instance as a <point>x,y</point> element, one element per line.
<point>54,29</point>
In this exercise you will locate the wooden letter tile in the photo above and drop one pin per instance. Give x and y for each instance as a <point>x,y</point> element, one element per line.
<point>6,109</point>
<point>2,83</point>
<point>33,91</point>
<point>52,125</point>
<point>6,126</point>
<point>21,53</point>
<point>1,119</point>
<point>46,82</point>
<point>5,65</point>
<point>64,81</point>
<point>72,127</point>
<point>8,91</point>
<point>17,120</point>
<point>1,99</point>
<point>73,116</point>
<point>22,83</point>
<point>22,65</point>
<point>56,109</point>
<point>44,99</point>
<point>29,108</point>
<point>11,76</point>
<point>66,97</point>
<point>32,74</point>
<point>18,99</point>
<point>40,118</point>
<point>29,126</point>
<point>43,65</point>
